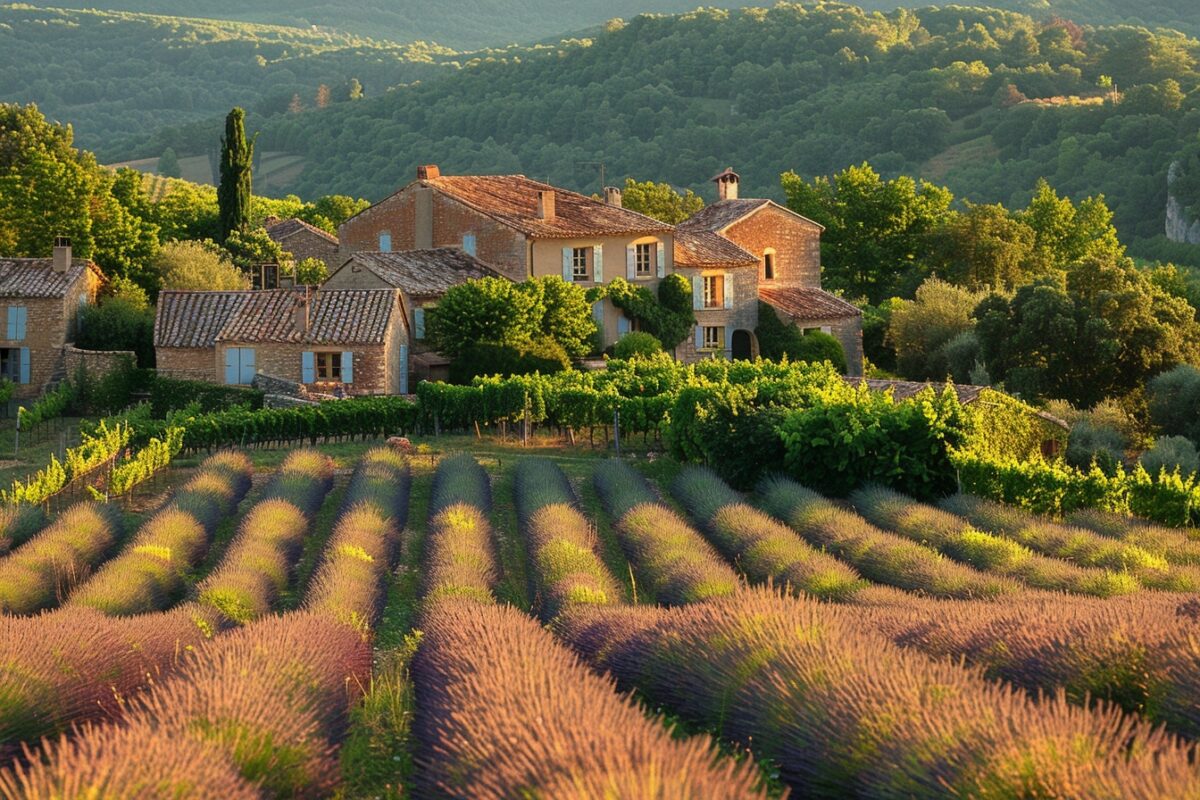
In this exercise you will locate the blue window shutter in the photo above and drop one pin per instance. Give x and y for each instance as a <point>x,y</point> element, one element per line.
<point>403,369</point>
<point>598,263</point>
<point>598,312</point>
<point>347,367</point>
<point>10,316</point>
<point>308,367</point>
<point>248,367</point>
<point>697,293</point>
<point>24,365</point>
<point>22,313</point>
<point>418,323</point>
<point>385,243</point>
<point>728,340</point>
<point>727,286</point>
<point>630,261</point>
<point>662,260</point>
<point>469,244</point>
<point>232,370</point>
<point>568,264</point>
<point>699,338</point>
<point>622,325</point>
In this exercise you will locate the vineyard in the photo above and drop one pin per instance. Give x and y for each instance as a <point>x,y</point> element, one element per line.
<point>480,620</point>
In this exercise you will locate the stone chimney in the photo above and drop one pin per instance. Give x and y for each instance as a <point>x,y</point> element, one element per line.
<point>302,321</point>
<point>612,196</point>
<point>545,206</point>
<point>428,172</point>
<point>727,184</point>
<point>62,254</point>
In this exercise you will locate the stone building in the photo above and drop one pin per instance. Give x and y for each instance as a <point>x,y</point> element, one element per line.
<point>784,249</point>
<point>40,300</point>
<point>355,339</point>
<point>521,228</point>
<point>422,277</point>
<point>303,241</point>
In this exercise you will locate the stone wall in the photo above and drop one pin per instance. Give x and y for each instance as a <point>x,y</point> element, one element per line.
<point>743,316</point>
<point>188,363</point>
<point>285,361</point>
<point>97,362</point>
<point>797,245</point>
<point>305,244</point>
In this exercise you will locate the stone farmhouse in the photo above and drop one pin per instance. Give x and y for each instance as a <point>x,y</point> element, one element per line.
<point>40,300</point>
<point>421,277</point>
<point>356,340</point>
<point>734,253</point>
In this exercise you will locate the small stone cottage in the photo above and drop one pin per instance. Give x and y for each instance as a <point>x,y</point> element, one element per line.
<point>356,340</point>
<point>40,300</point>
<point>303,240</point>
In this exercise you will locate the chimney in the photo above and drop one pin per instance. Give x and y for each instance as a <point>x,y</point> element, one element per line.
<point>302,312</point>
<point>546,204</point>
<point>727,184</point>
<point>62,254</point>
<point>428,172</point>
<point>612,196</point>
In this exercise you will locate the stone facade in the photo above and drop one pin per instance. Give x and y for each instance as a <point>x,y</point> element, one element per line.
<point>304,241</point>
<point>187,363</point>
<point>97,363</point>
<point>795,242</point>
<point>742,316</point>
<point>374,368</point>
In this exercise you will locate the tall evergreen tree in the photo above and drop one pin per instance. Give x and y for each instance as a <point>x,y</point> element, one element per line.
<point>237,157</point>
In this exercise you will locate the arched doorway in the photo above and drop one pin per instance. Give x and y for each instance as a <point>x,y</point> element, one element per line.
<point>743,346</point>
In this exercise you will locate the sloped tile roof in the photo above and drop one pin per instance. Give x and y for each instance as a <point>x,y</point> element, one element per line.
<point>807,304</point>
<point>708,249</point>
<point>903,390</point>
<point>513,200</point>
<point>284,228</point>
<point>721,214</point>
<point>422,273</point>
<point>201,319</point>
<point>35,277</point>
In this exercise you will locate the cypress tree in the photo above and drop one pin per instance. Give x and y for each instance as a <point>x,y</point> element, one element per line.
<point>237,156</point>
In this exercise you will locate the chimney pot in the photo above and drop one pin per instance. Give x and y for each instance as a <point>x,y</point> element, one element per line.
<point>727,184</point>
<point>62,254</point>
<point>613,197</point>
<point>428,172</point>
<point>545,207</point>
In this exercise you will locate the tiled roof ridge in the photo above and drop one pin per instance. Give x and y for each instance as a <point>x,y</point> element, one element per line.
<point>329,237</point>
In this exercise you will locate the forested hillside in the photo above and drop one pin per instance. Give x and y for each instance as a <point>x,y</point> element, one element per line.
<point>985,102</point>
<point>116,74</point>
<point>484,23</point>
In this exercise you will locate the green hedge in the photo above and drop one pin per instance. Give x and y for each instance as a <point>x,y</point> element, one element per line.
<point>170,394</point>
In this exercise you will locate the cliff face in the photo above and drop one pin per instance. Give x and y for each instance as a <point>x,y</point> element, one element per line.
<point>1181,227</point>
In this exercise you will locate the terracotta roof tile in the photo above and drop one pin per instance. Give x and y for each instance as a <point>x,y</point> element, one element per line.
<point>903,390</point>
<point>807,304</point>
<point>422,273</point>
<point>513,200</point>
<point>35,277</point>
<point>721,215</point>
<point>201,319</point>
<point>708,249</point>
<point>284,228</point>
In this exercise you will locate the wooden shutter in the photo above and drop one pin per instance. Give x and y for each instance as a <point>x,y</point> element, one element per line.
<point>231,365</point>
<point>10,328</point>
<point>598,312</point>
<point>385,243</point>
<point>347,367</point>
<point>469,244</point>
<point>598,263</point>
<point>568,264</point>
<point>419,323</point>
<point>24,365</point>
<point>699,338</point>
<point>630,261</point>
<point>727,288</point>
<point>697,292</point>
<point>729,341</point>
<point>21,313</point>
<point>622,325</point>
<point>403,366</point>
<point>662,260</point>
<point>248,367</point>
<point>308,367</point>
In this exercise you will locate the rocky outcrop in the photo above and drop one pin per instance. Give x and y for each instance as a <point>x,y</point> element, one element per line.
<point>1181,226</point>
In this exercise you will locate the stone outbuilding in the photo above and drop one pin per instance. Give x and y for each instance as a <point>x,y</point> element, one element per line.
<point>303,240</point>
<point>422,277</point>
<point>40,300</point>
<point>353,339</point>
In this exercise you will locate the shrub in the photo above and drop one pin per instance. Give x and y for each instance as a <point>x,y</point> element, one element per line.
<point>1173,545</point>
<point>878,556</point>
<point>51,564</point>
<point>1094,443</point>
<point>1174,400</point>
<point>763,549</point>
<point>840,709</point>
<point>18,524</point>
<point>460,559</point>
<point>459,479</point>
<point>510,712</point>
<point>543,356</point>
<point>1171,453</point>
<point>637,344</point>
<point>816,347</point>
<point>117,324</point>
<point>621,487</point>
<point>954,537</point>
<point>171,394</point>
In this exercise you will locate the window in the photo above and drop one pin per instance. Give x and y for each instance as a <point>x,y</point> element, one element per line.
<point>329,367</point>
<point>714,291</point>
<point>10,364</point>
<point>769,264</point>
<point>270,276</point>
<point>469,244</point>
<point>239,365</point>
<point>714,338</point>
<point>16,317</point>
<point>580,268</point>
<point>644,259</point>
<point>385,243</point>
